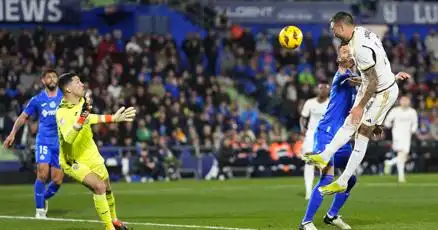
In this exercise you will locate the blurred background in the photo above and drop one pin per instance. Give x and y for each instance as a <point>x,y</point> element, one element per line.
<point>216,94</point>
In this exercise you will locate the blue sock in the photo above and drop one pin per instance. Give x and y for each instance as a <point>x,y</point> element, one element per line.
<point>39,188</point>
<point>316,198</point>
<point>341,198</point>
<point>51,190</point>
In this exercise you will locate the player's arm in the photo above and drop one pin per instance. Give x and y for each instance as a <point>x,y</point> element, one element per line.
<point>21,120</point>
<point>414,121</point>
<point>121,115</point>
<point>304,118</point>
<point>70,125</point>
<point>366,61</point>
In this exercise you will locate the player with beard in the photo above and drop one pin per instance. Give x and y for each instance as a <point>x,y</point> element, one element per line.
<point>44,106</point>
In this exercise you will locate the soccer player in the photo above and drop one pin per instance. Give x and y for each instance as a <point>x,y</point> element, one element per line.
<point>404,122</point>
<point>79,156</point>
<point>44,106</point>
<point>311,113</point>
<point>340,102</point>
<point>378,81</point>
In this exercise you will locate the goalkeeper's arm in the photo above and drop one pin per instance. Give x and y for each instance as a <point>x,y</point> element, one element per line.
<point>70,126</point>
<point>120,116</point>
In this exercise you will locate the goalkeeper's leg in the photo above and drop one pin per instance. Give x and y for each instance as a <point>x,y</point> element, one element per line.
<point>97,185</point>
<point>112,207</point>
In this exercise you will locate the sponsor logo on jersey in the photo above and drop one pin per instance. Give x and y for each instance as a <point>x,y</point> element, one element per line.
<point>43,104</point>
<point>46,113</point>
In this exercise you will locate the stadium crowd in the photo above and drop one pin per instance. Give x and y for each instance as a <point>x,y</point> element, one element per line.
<point>181,91</point>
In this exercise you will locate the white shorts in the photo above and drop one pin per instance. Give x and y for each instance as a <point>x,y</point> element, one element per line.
<point>401,145</point>
<point>377,109</point>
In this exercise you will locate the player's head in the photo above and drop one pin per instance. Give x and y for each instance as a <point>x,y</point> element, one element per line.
<point>342,25</point>
<point>345,59</point>
<point>323,89</point>
<point>70,84</point>
<point>49,78</point>
<point>405,102</point>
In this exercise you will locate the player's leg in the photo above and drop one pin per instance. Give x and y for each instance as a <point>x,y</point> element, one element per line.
<point>401,162</point>
<point>82,173</point>
<point>39,188</point>
<point>332,217</point>
<point>56,176</point>
<point>309,176</point>
<point>100,169</point>
<point>342,136</point>
<point>316,198</point>
<point>309,169</point>
<point>374,115</point>
<point>98,187</point>
<point>112,207</point>
<point>42,161</point>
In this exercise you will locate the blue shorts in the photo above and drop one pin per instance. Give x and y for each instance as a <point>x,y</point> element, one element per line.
<point>48,154</point>
<point>340,159</point>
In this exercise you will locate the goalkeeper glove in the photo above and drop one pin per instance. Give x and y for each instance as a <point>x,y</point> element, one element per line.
<point>124,115</point>
<point>85,111</point>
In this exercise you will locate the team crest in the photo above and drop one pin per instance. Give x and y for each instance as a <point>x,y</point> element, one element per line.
<point>75,166</point>
<point>52,104</point>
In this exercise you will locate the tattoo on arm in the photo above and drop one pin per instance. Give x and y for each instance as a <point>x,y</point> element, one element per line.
<point>303,123</point>
<point>371,87</point>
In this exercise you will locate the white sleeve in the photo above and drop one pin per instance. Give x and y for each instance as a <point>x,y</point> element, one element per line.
<point>305,112</point>
<point>414,121</point>
<point>390,118</point>
<point>365,57</point>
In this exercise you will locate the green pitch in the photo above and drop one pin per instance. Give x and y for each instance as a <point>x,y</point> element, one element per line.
<point>375,203</point>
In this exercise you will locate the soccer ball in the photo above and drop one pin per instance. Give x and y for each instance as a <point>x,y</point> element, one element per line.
<point>290,37</point>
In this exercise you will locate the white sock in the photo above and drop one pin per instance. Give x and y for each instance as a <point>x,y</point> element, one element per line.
<point>401,161</point>
<point>340,139</point>
<point>360,148</point>
<point>309,176</point>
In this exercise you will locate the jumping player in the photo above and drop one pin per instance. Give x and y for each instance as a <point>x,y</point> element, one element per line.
<point>378,82</point>
<point>341,100</point>
<point>44,106</point>
<point>311,113</point>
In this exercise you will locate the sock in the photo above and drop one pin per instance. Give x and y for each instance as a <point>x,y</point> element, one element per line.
<point>111,204</point>
<point>341,198</point>
<point>360,148</point>
<point>102,209</point>
<point>401,161</point>
<point>316,198</point>
<point>340,139</point>
<point>309,176</point>
<point>39,188</point>
<point>51,190</point>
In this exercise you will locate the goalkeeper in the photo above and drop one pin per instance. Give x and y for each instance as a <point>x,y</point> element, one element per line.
<point>79,157</point>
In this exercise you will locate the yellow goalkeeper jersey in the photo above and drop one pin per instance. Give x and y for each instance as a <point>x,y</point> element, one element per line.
<point>76,146</point>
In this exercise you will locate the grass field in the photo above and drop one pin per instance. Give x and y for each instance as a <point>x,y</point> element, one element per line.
<point>375,203</point>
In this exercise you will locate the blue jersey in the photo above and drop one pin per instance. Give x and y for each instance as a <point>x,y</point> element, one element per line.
<point>45,108</point>
<point>340,102</point>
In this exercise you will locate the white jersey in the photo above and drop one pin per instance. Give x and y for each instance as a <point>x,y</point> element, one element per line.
<point>404,123</point>
<point>367,51</point>
<point>314,110</point>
